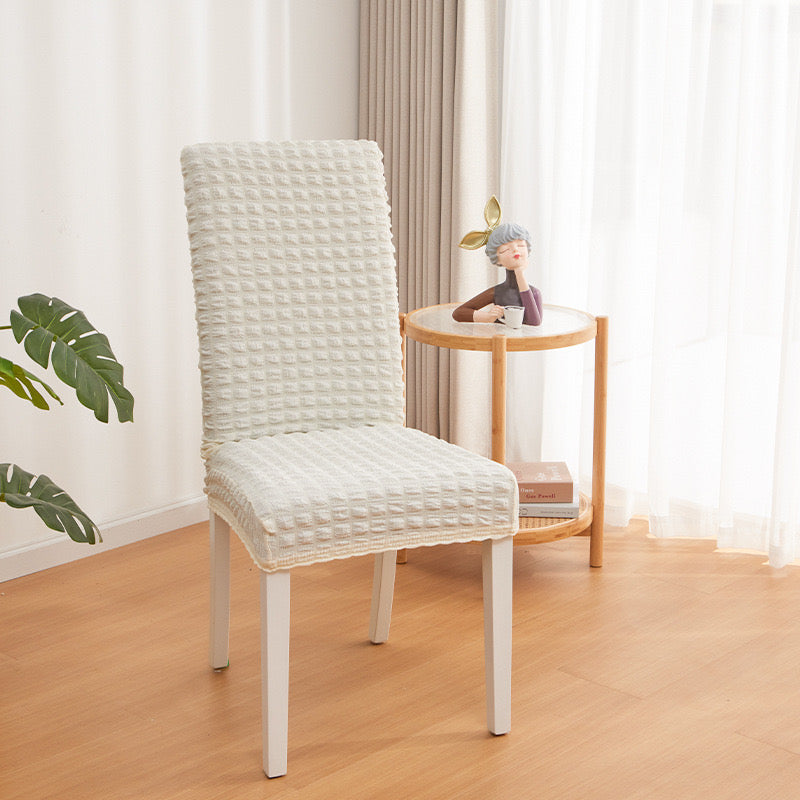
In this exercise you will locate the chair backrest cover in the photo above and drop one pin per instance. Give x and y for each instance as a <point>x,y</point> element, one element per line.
<point>295,287</point>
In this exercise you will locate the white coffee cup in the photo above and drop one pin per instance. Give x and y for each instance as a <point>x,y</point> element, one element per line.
<point>513,316</point>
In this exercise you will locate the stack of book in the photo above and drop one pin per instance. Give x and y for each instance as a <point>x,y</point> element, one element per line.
<point>546,489</point>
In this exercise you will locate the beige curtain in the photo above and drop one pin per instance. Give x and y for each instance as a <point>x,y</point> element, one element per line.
<point>429,97</point>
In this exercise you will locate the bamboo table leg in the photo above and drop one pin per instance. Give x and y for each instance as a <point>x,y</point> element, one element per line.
<point>499,398</point>
<point>599,442</point>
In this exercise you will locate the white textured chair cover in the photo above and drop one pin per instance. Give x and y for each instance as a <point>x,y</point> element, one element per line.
<point>306,455</point>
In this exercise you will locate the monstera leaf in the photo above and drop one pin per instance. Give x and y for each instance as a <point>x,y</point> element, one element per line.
<point>81,356</point>
<point>20,381</point>
<point>21,489</point>
<point>52,330</point>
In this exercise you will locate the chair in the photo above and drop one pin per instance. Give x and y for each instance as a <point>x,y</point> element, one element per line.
<point>307,458</point>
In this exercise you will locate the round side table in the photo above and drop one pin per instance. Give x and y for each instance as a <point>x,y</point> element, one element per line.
<point>561,327</point>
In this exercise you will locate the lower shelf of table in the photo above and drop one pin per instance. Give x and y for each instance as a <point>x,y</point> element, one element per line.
<point>538,530</point>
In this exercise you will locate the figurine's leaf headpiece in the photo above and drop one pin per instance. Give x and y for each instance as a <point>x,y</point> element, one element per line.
<point>475,239</point>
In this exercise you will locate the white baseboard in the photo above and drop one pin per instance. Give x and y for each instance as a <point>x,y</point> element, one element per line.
<point>16,562</point>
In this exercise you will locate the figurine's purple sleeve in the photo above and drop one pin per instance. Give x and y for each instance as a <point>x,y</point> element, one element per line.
<point>532,302</point>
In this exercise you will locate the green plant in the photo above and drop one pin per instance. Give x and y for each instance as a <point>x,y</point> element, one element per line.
<point>51,331</point>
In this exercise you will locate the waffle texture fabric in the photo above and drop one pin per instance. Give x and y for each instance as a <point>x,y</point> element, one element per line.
<point>295,288</point>
<point>301,363</point>
<point>301,498</point>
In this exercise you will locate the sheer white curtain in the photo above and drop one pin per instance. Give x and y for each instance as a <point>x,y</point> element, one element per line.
<point>654,150</point>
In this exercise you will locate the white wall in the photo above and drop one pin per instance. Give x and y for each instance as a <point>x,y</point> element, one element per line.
<point>98,98</point>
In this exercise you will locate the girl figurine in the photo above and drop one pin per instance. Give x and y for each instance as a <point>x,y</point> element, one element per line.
<point>508,246</point>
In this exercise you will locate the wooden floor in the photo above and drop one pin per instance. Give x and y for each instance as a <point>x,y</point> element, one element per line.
<point>672,672</point>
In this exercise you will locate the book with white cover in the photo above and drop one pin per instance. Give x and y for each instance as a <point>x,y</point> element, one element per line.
<point>553,510</point>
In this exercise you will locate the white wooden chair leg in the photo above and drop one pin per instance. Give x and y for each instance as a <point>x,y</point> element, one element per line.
<point>275,671</point>
<point>382,594</point>
<point>220,566</point>
<point>498,559</point>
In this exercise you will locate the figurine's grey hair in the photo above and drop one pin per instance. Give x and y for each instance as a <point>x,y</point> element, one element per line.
<point>507,232</point>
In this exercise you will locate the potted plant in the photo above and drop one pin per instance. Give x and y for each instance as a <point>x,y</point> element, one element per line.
<point>50,330</point>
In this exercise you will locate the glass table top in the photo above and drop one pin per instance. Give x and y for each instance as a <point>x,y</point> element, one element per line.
<point>561,327</point>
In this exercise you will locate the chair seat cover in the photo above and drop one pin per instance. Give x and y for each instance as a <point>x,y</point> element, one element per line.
<point>304,497</point>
